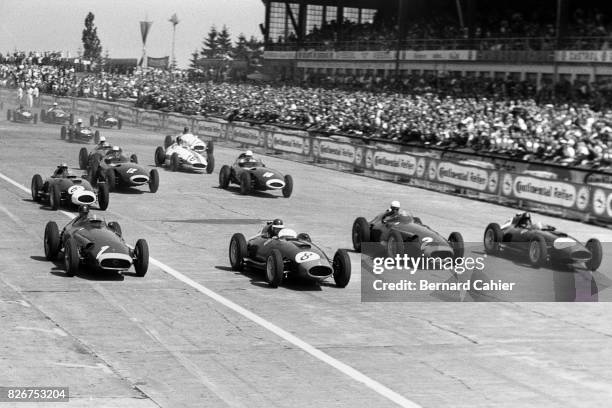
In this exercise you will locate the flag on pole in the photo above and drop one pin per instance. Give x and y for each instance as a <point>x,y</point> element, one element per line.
<point>174,19</point>
<point>145,26</point>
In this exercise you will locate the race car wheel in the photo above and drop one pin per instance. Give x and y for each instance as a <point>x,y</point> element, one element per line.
<point>594,247</point>
<point>245,183</point>
<point>97,137</point>
<point>210,162</point>
<point>395,244</point>
<point>51,241</point>
<point>35,118</point>
<point>141,255</point>
<point>174,162</point>
<point>360,233</point>
<point>160,156</point>
<point>275,268</point>
<point>168,141</point>
<point>224,176</point>
<point>111,179</point>
<point>71,135</point>
<point>71,119</point>
<point>71,258</point>
<point>210,147</point>
<point>115,227</point>
<point>342,268</point>
<point>492,238</point>
<point>93,172</point>
<point>455,239</point>
<point>119,124</point>
<point>103,196</point>
<point>92,120</point>
<point>42,115</point>
<point>100,122</point>
<point>153,181</point>
<point>537,252</point>
<point>134,158</point>
<point>63,133</point>
<point>36,186</point>
<point>237,251</point>
<point>302,236</point>
<point>54,197</point>
<point>83,158</point>
<point>288,189</point>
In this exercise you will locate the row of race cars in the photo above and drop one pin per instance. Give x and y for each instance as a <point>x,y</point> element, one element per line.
<point>279,251</point>
<point>57,115</point>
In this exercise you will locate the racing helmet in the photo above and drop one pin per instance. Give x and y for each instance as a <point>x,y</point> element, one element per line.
<point>79,121</point>
<point>116,149</point>
<point>395,206</point>
<point>249,153</point>
<point>276,226</point>
<point>185,130</point>
<point>54,103</point>
<point>102,140</point>
<point>83,210</point>
<point>524,220</point>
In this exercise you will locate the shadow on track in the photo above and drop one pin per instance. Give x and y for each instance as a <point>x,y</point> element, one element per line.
<point>291,282</point>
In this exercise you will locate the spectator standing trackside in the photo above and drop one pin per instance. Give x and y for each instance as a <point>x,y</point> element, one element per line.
<point>19,95</point>
<point>36,96</point>
<point>30,97</point>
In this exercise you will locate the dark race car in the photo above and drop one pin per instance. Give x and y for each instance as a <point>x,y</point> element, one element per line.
<point>288,253</point>
<point>105,121</point>
<point>56,115</point>
<point>253,175</point>
<point>21,115</point>
<point>540,244</point>
<point>75,133</point>
<point>88,241</point>
<point>65,189</point>
<point>402,233</point>
<point>119,171</point>
<point>99,151</point>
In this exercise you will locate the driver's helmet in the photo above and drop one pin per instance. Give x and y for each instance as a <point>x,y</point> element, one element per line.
<point>116,151</point>
<point>62,170</point>
<point>524,220</point>
<point>79,121</point>
<point>54,104</point>
<point>102,141</point>
<point>96,221</point>
<point>179,140</point>
<point>185,130</point>
<point>248,154</point>
<point>83,211</point>
<point>276,226</point>
<point>394,207</point>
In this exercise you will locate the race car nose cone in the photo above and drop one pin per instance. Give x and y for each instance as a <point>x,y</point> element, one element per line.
<point>275,184</point>
<point>199,148</point>
<point>139,179</point>
<point>83,197</point>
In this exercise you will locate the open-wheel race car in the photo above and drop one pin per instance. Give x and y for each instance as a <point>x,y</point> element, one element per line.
<point>541,244</point>
<point>88,241</point>
<point>21,115</point>
<point>280,252</point>
<point>77,133</point>
<point>401,233</point>
<point>64,189</point>
<point>191,141</point>
<point>118,170</point>
<point>180,156</point>
<point>56,115</point>
<point>251,174</point>
<point>105,121</point>
<point>99,150</point>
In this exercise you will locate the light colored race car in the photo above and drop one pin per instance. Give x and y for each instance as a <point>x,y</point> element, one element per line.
<point>21,115</point>
<point>105,121</point>
<point>181,157</point>
<point>192,141</point>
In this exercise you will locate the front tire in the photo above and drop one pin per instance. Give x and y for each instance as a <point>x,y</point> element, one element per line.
<point>111,179</point>
<point>160,156</point>
<point>245,183</point>
<point>141,261</point>
<point>92,120</point>
<point>35,118</point>
<point>153,181</point>
<point>83,158</point>
<point>174,162</point>
<point>594,246</point>
<point>168,141</point>
<point>97,137</point>
<point>103,196</point>
<point>492,238</point>
<point>71,258</point>
<point>360,233</point>
<point>342,268</point>
<point>36,186</point>
<point>237,251</point>
<point>275,268</point>
<point>395,244</point>
<point>210,147</point>
<point>54,197</point>
<point>457,243</point>
<point>224,176</point>
<point>538,253</point>
<point>119,124</point>
<point>63,133</point>
<point>288,189</point>
<point>51,241</point>
<point>210,162</point>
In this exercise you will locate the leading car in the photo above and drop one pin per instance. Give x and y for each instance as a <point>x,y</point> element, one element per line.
<point>89,241</point>
<point>251,174</point>
<point>180,156</point>
<point>119,171</point>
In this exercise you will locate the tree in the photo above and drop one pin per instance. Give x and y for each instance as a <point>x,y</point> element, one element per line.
<point>91,42</point>
<point>209,50</point>
<point>224,43</point>
<point>193,62</point>
<point>241,50</point>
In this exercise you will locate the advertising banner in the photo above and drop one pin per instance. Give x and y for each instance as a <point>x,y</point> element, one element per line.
<point>289,143</point>
<point>248,135</point>
<point>474,178</point>
<point>336,151</point>
<point>208,128</point>
<point>150,119</point>
<point>127,114</point>
<point>584,56</point>
<point>546,191</point>
<point>178,122</point>
<point>84,107</point>
<point>395,163</point>
<point>439,55</point>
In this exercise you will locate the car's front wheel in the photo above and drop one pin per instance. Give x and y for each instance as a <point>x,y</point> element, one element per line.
<point>237,251</point>
<point>245,183</point>
<point>594,247</point>
<point>538,253</point>
<point>275,268</point>
<point>288,189</point>
<point>37,184</point>
<point>141,255</point>
<point>160,156</point>
<point>71,258</point>
<point>83,158</point>
<point>492,238</point>
<point>395,244</point>
<point>455,239</point>
<point>224,176</point>
<point>153,181</point>
<point>360,233</point>
<point>342,268</point>
<point>51,241</point>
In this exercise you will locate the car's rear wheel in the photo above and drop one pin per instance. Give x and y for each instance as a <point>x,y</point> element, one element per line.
<point>63,132</point>
<point>210,162</point>
<point>288,189</point>
<point>360,233</point>
<point>36,186</point>
<point>115,227</point>
<point>342,268</point>
<point>224,176</point>
<point>71,135</point>
<point>455,239</point>
<point>160,156</point>
<point>492,238</point>
<point>168,140</point>
<point>111,179</point>
<point>83,158</point>
<point>8,114</point>
<point>210,147</point>
<point>71,258</point>
<point>54,197</point>
<point>97,137</point>
<point>395,244</point>
<point>153,181</point>
<point>594,247</point>
<point>275,268</point>
<point>237,251</point>
<point>245,183</point>
<point>537,252</point>
<point>141,253</point>
<point>51,241</point>
<point>103,196</point>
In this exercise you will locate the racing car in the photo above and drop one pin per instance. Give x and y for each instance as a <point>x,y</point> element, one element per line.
<point>56,115</point>
<point>89,241</point>
<point>178,156</point>
<point>105,121</point>
<point>541,244</point>
<point>65,189</point>
<point>402,233</point>
<point>284,253</point>
<point>252,174</point>
<point>21,115</point>
<point>99,151</point>
<point>79,134</point>
<point>117,170</point>
<point>192,141</point>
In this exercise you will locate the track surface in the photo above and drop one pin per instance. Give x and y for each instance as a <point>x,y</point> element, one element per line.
<point>156,341</point>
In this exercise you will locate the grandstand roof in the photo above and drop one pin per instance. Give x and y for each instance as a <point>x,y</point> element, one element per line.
<point>371,4</point>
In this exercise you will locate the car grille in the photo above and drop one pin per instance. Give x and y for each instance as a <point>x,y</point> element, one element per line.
<point>112,263</point>
<point>86,199</point>
<point>199,148</point>
<point>581,255</point>
<point>199,165</point>
<point>320,271</point>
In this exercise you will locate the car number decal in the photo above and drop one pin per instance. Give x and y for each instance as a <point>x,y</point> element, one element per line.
<point>306,256</point>
<point>132,170</point>
<point>74,189</point>
<point>268,174</point>
<point>425,241</point>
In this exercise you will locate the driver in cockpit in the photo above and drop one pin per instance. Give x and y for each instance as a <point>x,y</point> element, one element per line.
<point>62,171</point>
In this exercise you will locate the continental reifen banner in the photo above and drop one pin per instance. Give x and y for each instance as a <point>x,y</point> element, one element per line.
<point>214,129</point>
<point>471,177</point>
<point>150,119</point>
<point>336,151</point>
<point>289,143</point>
<point>178,122</point>
<point>127,114</point>
<point>389,162</point>
<point>246,134</point>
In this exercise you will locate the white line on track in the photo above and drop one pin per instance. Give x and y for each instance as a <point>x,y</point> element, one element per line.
<point>285,335</point>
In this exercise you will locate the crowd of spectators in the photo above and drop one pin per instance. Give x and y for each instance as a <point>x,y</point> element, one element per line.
<point>568,123</point>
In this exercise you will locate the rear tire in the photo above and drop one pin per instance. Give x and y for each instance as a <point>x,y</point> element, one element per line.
<point>288,189</point>
<point>43,117</point>
<point>92,121</point>
<point>71,119</point>
<point>35,119</point>
<point>210,147</point>
<point>36,186</point>
<point>141,263</point>
<point>245,183</point>
<point>71,258</point>
<point>224,176</point>
<point>8,115</point>
<point>174,162</point>
<point>119,124</point>
<point>51,241</point>
<point>360,233</point>
<point>342,268</point>
<point>160,156</point>
<point>153,181</point>
<point>83,158</point>
<point>210,165</point>
<point>457,243</point>
<point>594,246</point>
<point>237,251</point>
<point>103,196</point>
<point>492,238</point>
<point>54,197</point>
<point>275,268</point>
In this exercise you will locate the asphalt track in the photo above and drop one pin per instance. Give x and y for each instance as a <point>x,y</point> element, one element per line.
<point>193,333</point>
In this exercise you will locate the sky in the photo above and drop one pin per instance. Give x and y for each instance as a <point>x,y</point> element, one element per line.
<point>44,25</point>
